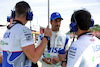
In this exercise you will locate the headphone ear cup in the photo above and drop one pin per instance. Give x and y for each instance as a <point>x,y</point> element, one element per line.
<point>29,16</point>
<point>13,14</point>
<point>8,18</point>
<point>92,23</point>
<point>73,27</point>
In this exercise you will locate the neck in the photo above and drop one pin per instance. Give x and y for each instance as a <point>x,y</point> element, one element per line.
<point>79,32</point>
<point>21,19</point>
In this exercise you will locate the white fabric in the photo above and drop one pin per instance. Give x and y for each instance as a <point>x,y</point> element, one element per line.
<point>57,42</point>
<point>85,52</point>
<point>14,39</point>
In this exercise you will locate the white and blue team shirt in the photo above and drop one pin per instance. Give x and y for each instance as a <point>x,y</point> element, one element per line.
<point>14,39</point>
<point>57,42</point>
<point>85,52</point>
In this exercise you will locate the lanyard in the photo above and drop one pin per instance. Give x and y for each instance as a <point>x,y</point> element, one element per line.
<point>14,23</point>
<point>86,33</point>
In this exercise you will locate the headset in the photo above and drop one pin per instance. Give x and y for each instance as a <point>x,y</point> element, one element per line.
<point>8,18</point>
<point>29,16</point>
<point>73,27</point>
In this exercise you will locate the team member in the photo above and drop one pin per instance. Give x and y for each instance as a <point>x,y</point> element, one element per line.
<point>85,52</point>
<point>58,41</point>
<point>18,44</point>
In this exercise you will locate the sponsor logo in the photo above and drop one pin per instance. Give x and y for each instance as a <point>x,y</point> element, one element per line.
<point>59,39</point>
<point>54,50</point>
<point>7,35</point>
<point>73,48</point>
<point>96,48</point>
<point>3,43</point>
<point>93,59</point>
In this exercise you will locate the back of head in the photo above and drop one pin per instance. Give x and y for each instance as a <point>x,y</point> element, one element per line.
<point>21,9</point>
<point>82,18</point>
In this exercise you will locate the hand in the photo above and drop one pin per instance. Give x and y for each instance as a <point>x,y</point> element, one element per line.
<point>48,32</point>
<point>55,60</point>
<point>47,60</point>
<point>66,51</point>
<point>62,56</point>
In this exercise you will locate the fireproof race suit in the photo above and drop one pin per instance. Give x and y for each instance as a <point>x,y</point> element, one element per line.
<point>58,41</point>
<point>14,39</point>
<point>85,52</point>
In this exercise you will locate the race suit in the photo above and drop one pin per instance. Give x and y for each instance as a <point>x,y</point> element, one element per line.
<point>58,41</point>
<point>85,52</point>
<point>14,39</point>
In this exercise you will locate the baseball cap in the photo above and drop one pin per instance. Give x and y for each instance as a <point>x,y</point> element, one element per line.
<point>55,15</point>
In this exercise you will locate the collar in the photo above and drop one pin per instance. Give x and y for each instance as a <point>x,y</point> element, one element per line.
<point>86,33</point>
<point>14,23</point>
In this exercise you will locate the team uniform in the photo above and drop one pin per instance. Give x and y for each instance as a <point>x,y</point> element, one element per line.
<point>57,42</point>
<point>14,39</point>
<point>85,52</point>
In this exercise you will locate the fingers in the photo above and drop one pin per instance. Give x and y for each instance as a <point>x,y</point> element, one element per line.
<point>47,60</point>
<point>54,62</point>
<point>48,32</point>
<point>47,27</point>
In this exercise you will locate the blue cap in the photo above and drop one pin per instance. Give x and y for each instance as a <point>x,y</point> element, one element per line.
<point>55,15</point>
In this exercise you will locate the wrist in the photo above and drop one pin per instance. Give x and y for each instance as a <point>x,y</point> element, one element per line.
<point>65,61</point>
<point>48,38</point>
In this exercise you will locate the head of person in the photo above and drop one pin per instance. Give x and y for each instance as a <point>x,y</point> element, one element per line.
<point>55,21</point>
<point>21,10</point>
<point>80,21</point>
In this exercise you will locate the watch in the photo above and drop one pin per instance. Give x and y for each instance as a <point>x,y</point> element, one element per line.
<point>64,61</point>
<point>48,38</point>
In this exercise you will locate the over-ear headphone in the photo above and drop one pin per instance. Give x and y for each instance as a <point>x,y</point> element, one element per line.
<point>29,16</point>
<point>73,27</point>
<point>8,18</point>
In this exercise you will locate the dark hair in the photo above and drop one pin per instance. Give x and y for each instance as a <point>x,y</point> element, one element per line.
<point>82,18</point>
<point>21,8</point>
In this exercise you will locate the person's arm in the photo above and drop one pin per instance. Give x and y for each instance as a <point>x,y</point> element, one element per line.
<point>33,53</point>
<point>63,59</point>
<point>74,57</point>
<point>64,64</point>
<point>1,58</point>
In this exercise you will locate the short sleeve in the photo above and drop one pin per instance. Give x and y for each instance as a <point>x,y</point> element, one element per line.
<point>74,56</point>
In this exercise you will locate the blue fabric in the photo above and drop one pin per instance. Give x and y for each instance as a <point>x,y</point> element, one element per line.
<point>0,64</point>
<point>67,38</point>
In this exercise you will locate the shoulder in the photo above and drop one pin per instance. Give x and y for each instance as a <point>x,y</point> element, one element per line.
<point>75,45</point>
<point>23,28</point>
